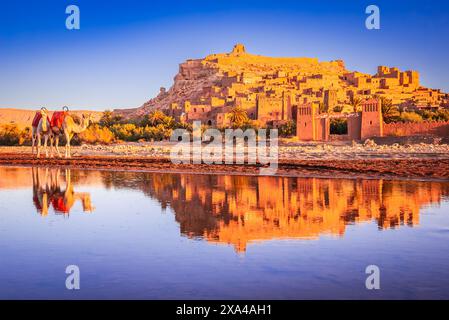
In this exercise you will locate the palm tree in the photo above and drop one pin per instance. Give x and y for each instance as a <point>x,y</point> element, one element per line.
<point>106,118</point>
<point>356,103</point>
<point>389,111</point>
<point>238,117</point>
<point>156,117</point>
<point>109,118</point>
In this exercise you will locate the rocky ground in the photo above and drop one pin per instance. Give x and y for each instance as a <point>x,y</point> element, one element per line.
<point>410,161</point>
<point>291,151</point>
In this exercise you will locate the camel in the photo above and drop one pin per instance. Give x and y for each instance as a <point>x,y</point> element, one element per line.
<point>44,129</point>
<point>63,200</point>
<point>69,128</point>
<point>47,191</point>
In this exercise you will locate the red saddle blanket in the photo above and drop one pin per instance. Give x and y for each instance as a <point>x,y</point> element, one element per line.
<point>37,118</point>
<point>57,119</point>
<point>59,204</point>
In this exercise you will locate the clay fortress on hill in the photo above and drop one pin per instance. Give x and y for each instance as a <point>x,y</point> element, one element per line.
<point>274,91</point>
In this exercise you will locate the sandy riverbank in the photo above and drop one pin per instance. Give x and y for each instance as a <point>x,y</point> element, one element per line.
<point>420,161</point>
<point>287,151</point>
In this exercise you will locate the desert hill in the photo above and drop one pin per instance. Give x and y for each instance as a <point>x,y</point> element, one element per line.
<point>206,89</point>
<point>196,77</point>
<point>23,117</point>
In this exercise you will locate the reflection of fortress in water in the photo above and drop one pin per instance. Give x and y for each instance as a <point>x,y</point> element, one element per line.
<point>240,209</point>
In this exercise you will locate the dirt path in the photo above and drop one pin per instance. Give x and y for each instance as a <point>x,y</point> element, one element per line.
<point>435,169</point>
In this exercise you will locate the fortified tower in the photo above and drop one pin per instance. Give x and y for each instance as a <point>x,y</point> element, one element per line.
<point>372,122</point>
<point>308,125</point>
<point>238,49</point>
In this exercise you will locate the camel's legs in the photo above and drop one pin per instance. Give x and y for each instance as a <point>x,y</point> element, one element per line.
<point>51,145</point>
<point>38,145</point>
<point>57,145</point>
<point>67,145</point>
<point>33,143</point>
<point>45,145</point>
<point>70,146</point>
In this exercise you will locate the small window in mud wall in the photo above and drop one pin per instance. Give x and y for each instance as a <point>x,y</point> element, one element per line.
<point>371,122</point>
<point>209,122</point>
<point>194,109</point>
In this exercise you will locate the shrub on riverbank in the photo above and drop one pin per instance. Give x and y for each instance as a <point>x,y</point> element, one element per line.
<point>154,126</point>
<point>132,132</point>
<point>12,135</point>
<point>96,134</point>
<point>157,126</point>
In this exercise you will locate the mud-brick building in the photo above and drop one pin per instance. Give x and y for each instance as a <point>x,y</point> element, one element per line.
<point>273,108</point>
<point>314,126</point>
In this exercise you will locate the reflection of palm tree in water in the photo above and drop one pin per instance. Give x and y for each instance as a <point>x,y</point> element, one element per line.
<point>47,190</point>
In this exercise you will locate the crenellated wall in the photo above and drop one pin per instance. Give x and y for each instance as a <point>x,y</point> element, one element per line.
<point>439,128</point>
<point>311,126</point>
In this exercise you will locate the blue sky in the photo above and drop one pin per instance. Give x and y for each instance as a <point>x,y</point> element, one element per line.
<point>126,50</point>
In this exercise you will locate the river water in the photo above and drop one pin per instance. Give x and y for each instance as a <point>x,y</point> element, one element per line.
<point>137,235</point>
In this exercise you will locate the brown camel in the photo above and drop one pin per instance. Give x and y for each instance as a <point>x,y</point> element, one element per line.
<point>42,129</point>
<point>47,191</point>
<point>69,128</point>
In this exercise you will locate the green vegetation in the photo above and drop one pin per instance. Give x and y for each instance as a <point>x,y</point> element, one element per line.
<point>157,126</point>
<point>154,126</point>
<point>96,134</point>
<point>418,116</point>
<point>410,117</point>
<point>338,109</point>
<point>339,126</point>
<point>356,104</point>
<point>438,115</point>
<point>390,112</point>
<point>288,129</point>
<point>108,119</point>
<point>239,118</point>
<point>12,135</point>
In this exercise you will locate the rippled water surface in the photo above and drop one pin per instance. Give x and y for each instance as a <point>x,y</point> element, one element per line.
<point>180,236</point>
